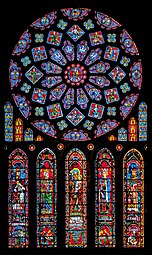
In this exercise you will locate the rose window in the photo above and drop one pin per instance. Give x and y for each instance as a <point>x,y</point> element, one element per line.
<point>75,74</point>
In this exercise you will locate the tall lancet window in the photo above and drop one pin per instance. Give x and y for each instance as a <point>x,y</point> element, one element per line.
<point>105,199</point>
<point>18,200</point>
<point>76,199</point>
<point>46,178</point>
<point>133,199</point>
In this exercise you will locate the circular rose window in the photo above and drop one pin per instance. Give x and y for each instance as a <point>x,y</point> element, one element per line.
<point>75,74</point>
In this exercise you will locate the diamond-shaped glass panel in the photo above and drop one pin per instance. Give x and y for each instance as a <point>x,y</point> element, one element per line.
<point>111,53</point>
<point>96,38</point>
<point>75,116</point>
<point>96,111</point>
<point>39,53</point>
<point>39,95</point>
<point>54,38</point>
<point>33,74</point>
<point>111,95</point>
<point>75,32</point>
<point>117,74</point>
<point>54,111</point>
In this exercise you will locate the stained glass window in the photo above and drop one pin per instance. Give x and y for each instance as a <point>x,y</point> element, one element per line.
<point>79,71</point>
<point>18,200</point>
<point>142,121</point>
<point>112,138</point>
<point>39,138</point>
<point>132,129</point>
<point>18,130</point>
<point>75,86</point>
<point>46,179</point>
<point>122,134</point>
<point>28,135</point>
<point>8,112</point>
<point>105,199</point>
<point>76,199</point>
<point>133,199</point>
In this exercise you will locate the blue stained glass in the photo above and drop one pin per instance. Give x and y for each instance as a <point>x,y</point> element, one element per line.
<point>66,59</point>
<point>8,113</point>
<point>75,32</point>
<point>142,121</point>
<point>82,99</point>
<point>28,135</point>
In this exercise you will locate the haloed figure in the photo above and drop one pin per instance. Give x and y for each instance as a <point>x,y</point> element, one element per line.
<point>76,199</point>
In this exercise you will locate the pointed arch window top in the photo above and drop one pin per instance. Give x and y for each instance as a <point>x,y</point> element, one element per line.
<point>133,154</point>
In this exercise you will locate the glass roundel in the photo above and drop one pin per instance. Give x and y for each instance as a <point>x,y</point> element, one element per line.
<point>75,74</point>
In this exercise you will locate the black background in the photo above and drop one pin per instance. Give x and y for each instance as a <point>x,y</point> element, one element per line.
<point>15,17</point>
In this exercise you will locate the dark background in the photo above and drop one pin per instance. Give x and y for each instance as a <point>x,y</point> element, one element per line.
<point>15,17</point>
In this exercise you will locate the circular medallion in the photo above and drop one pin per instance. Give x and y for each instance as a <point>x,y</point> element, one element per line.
<point>75,74</point>
<point>119,147</point>
<point>90,146</point>
<point>32,147</point>
<point>60,146</point>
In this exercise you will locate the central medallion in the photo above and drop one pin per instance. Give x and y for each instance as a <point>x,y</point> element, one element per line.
<point>75,74</point>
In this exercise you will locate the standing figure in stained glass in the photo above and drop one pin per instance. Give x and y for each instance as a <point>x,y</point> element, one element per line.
<point>104,195</point>
<point>20,189</point>
<point>76,200</point>
<point>133,197</point>
<point>83,87</point>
